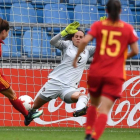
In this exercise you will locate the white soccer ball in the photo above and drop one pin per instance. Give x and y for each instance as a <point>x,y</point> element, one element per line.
<point>27,101</point>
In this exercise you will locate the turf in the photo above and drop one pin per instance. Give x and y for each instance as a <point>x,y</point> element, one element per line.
<point>45,133</point>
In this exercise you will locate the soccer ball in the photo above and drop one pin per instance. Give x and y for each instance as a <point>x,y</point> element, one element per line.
<point>27,101</point>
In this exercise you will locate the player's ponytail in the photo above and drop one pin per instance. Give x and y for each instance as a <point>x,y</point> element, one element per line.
<point>113,9</point>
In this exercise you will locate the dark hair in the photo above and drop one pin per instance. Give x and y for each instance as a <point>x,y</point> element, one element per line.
<point>69,36</point>
<point>4,25</point>
<point>113,9</point>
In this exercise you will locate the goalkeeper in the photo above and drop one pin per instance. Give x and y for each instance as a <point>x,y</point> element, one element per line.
<point>64,79</point>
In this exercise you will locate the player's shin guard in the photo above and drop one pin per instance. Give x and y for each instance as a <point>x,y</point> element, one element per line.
<point>99,126</point>
<point>82,102</point>
<point>17,104</point>
<point>91,117</point>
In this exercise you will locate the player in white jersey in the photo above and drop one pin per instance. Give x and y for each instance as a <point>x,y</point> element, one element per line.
<point>64,79</point>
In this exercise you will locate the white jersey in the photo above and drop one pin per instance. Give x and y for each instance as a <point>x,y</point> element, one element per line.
<point>65,72</point>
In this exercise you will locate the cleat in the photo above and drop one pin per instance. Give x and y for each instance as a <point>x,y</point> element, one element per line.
<point>88,137</point>
<point>80,112</point>
<point>32,115</point>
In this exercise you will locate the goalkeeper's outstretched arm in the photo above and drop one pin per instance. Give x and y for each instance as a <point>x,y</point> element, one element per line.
<point>70,29</point>
<point>55,41</point>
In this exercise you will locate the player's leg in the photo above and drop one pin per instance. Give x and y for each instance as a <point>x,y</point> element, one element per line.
<point>91,116</point>
<point>111,90</point>
<point>81,103</point>
<point>100,122</point>
<point>7,91</point>
<point>94,87</point>
<point>38,102</point>
<point>72,95</point>
<point>17,104</point>
<point>45,94</point>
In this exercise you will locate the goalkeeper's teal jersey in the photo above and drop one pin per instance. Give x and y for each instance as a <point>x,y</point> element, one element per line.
<point>65,72</point>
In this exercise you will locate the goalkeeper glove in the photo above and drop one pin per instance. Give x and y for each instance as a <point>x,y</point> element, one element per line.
<point>70,29</point>
<point>103,18</point>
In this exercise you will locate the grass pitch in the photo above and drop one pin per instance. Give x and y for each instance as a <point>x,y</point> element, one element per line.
<point>51,133</point>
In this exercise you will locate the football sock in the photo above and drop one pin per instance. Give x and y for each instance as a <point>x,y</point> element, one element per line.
<point>17,104</point>
<point>99,126</point>
<point>91,117</point>
<point>82,102</point>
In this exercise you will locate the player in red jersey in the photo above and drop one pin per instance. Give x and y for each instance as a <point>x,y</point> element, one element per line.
<point>107,71</point>
<point>5,88</point>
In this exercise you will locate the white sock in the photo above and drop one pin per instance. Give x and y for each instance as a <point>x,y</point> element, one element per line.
<point>82,102</point>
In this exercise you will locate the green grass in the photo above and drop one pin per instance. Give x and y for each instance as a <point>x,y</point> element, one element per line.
<point>50,133</point>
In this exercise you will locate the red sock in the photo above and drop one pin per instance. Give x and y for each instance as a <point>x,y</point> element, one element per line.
<point>91,117</point>
<point>99,126</point>
<point>17,104</point>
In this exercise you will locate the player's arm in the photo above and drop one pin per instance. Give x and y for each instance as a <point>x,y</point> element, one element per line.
<point>81,47</point>
<point>133,38</point>
<point>134,50</point>
<point>55,41</point>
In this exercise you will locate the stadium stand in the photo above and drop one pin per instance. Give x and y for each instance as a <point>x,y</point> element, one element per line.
<point>9,49</point>
<point>1,15</point>
<point>91,2</point>
<point>44,1</point>
<point>123,2</point>
<point>55,14</point>
<point>86,14</point>
<point>36,44</point>
<point>10,1</point>
<point>135,2</point>
<point>22,13</point>
<point>59,12</point>
<point>126,15</point>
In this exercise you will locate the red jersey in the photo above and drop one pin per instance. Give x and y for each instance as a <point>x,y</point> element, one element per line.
<point>112,41</point>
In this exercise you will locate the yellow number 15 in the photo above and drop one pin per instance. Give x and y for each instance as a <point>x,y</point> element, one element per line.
<point>111,41</point>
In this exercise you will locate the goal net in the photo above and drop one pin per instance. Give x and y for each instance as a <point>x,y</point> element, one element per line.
<point>27,58</point>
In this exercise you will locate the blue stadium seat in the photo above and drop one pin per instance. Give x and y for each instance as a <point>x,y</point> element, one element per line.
<point>126,15</point>
<point>9,49</point>
<point>91,2</point>
<point>9,1</point>
<point>137,16</point>
<point>45,1</point>
<point>58,52</point>
<point>123,2</point>
<point>135,2</point>
<point>1,16</point>
<point>22,13</point>
<point>86,14</point>
<point>36,44</point>
<point>55,14</point>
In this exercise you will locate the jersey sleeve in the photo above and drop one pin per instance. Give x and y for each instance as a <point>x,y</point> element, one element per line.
<point>58,42</point>
<point>93,29</point>
<point>133,36</point>
<point>91,50</point>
